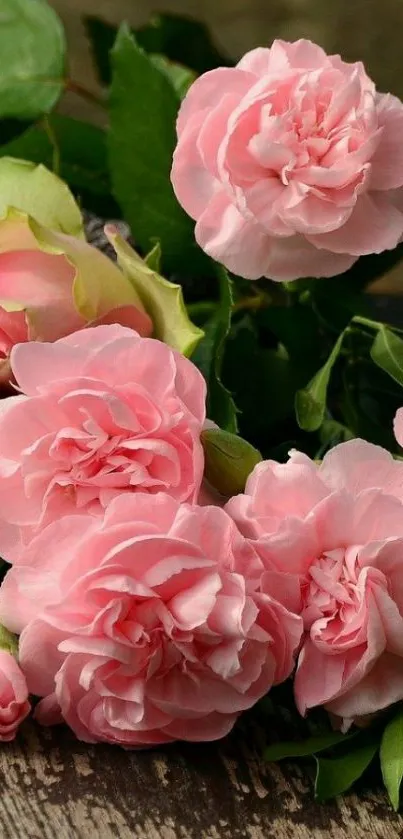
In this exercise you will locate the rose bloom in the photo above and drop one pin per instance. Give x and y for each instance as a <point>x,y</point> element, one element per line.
<point>14,704</point>
<point>153,623</point>
<point>291,163</point>
<point>398,426</point>
<point>102,411</point>
<point>57,285</point>
<point>332,536</point>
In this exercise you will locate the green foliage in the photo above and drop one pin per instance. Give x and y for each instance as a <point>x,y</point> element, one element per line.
<point>341,759</point>
<point>181,40</point>
<point>290,749</point>
<point>335,775</point>
<point>141,143</point>
<point>180,77</point>
<point>387,353</point>
<point>75,149</point>
<point>391,755</point>
<point>229,460</point>
<point>32,48</point>
<point>209,358</point>
<point>310,403</point>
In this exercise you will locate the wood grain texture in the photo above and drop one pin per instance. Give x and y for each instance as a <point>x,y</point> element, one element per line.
<point>53,787</point>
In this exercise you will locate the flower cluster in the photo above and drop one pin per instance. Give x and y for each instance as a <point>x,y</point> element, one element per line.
<point>146,616</point>
<point>156,594</point>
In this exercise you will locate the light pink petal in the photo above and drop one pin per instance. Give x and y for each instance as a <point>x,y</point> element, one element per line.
<point>312,215</point>
<point>44,284</point>
<point>257,61</point>
<point>358,465</point>
<point>398,426</point>
<point>39,657</point>
<point>23,594</point>
<point>208,728</point>
<point>375,225</point>
<point>194,185</point>
<point>35,363</point>
<point>295,257</point>
<point>282,56</point>
<point>302,54</point>
<point>207,90</point>
<point>241,245</point>
<point>380,688</point>
<point>387,162</point>
<point>318,677</point>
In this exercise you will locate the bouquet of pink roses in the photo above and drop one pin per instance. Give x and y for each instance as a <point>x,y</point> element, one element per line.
<point>201,501</point>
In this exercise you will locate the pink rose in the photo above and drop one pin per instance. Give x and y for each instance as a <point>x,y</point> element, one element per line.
<point>14,704</point>
<point>102,411</point>
<point>291,163</point>
<point>153,623</point>
<point>398,426</point>
<point>332,537</point>
<point>52,284</point>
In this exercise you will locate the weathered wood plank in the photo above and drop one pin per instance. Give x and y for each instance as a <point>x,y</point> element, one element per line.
<point>54,786</point>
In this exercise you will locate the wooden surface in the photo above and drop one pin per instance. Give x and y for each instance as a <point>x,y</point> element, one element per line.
<point>53,787</point>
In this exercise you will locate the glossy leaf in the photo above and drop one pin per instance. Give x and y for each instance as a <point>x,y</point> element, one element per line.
<point>391,755</point>
<point>304,748</point>
<point>337,774</point>
<point>34,190</point>
<point>209,358</point>
<point>180,39</point>
<point>180,77</point>
<point>8,641</point>
<point>387,353</point>
<point>310,403</point>
<point>229,460</point>
<point>32,48</point>
<point>77,149</point>
<point>142,139</point>
<point>162,300</point>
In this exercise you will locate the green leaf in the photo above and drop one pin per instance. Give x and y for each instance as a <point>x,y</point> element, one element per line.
<point>296,327</point>
<point>229,460</point>
<point>180,76</point>
<point>263,383</point>
<point>142,139</point>
<point>336,302</point>
<point>304,748</point>
<point>337,774</point>
<point>391,754</point>
<point>102,36</point>
<point>331,433</point>
<point>153,259</point>
<point>162,300</point>
<point>34,190</point>
<point>77,148</point>
<point>8,641</point>
<point>209,358</point>
<point>387,353</point>
<point>180,39</point>
<point>310,403</point>
<point>32,48</point>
